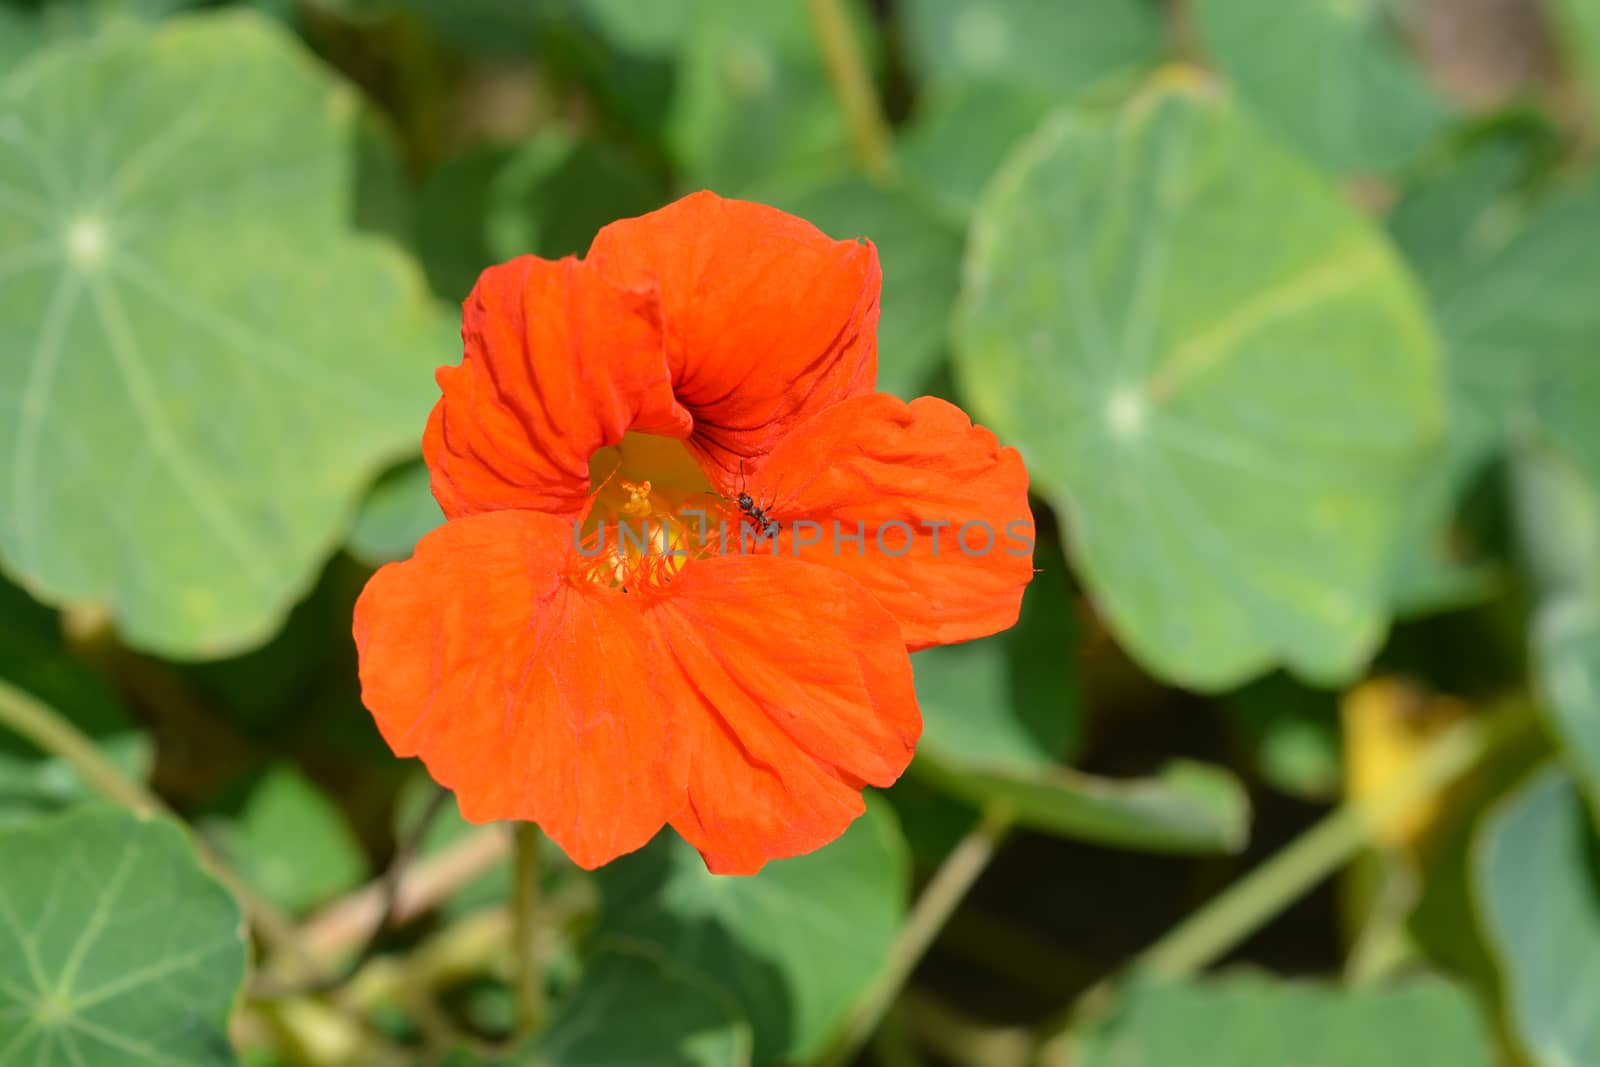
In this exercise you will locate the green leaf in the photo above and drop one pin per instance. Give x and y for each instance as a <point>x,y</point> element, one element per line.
<point>1329,76</point>
<point>795,945</point>
<point>751,98</point>
<point>19,34</point>
<point>301,682</point>
<point>1465,207</point>
<point>21,31</point>
<point>116,948</point>
<point>673,1018</point>
<point>1009,701</point>
<point>555,193</point>
<point>662,26</point>
<point>547,197</point>
<point>1539,896</point>
<point>1054,48</point>
<point>1434,567</point>
<point>1520,326</point>
<point>921,256</point>
<point>452,235</point>
<point>959,134</point>
<point>1458,214</point>
<point>291,843</point>
<point>1183,807</point>
<point>32,784</point>
<point>398,510</point>
<point>1255,1021</point>
<point>1557,513</point>
<point>240,363</point>
<point>999,713</point>
<point>1218,372</point>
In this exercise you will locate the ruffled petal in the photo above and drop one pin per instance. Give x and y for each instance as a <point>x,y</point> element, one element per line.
<point>768,320</point>
<point>796,691</point>
<point>948,537</point>
<point>559,362</point>
<point>529,695</point>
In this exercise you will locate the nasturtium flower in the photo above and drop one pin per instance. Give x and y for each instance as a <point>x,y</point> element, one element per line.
<point>741,688</point>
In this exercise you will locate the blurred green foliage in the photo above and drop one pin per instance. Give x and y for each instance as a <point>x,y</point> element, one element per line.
<point>1290,308</point>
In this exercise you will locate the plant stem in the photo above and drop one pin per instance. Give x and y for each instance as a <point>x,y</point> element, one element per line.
<point>46,729</point>
<point>344,924</point>
<point>525,928</point>
<point>853,85</point>
<point>939,900</point>
<point>1261,895</point>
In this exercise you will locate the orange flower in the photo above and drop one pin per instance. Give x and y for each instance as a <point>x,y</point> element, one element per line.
<point>547,667</point>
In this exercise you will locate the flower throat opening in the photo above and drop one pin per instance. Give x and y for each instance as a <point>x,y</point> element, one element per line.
<point>654,511</point>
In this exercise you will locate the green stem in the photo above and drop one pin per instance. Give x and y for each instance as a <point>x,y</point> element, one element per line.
<point>853,85</point>
<point>1263,893</point>
<point>41,725</point>
<point>525,929</point>
<point>939,900</point>
<point>1260,896</point>
<point>45,728</point>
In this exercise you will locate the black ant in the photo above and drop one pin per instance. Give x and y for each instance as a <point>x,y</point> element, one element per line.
<point>766,524</point>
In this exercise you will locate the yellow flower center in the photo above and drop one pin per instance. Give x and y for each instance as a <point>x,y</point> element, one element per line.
<point>654,510</point>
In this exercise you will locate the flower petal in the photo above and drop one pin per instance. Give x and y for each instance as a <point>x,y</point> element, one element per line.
<point>768,320</point>
<point>948,536</point>
<point>797,691</point>
<point>559,362</point>
<point>527,694</point>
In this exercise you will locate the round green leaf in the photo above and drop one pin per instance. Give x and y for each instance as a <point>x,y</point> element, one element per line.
<point>1255,1021</point>
<point>1330,76</point>
<point>1054,47</point>
<point>959,135</point>
<point>1539,895</point>
<point>202,364</point>
<point>116,948</point>
<point>1216,369</point>
<point>795,945</point>
<point>291,842</point>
